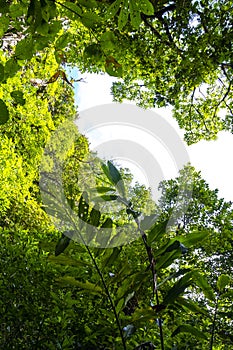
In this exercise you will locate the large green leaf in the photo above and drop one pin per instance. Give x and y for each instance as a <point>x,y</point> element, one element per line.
<point>146,7</point>
<point>189,304</point>
<point>90,20</point>
<point>157,231</point>
<point>24,49</point>
<point>186,328</point>
<point>203,283</point>
<point>168,258</point>
<point>123,17</point>
<point>4,113</point>
<point>135,16</point>
<point>178,288</point>
<point>86,286</point>
<point>113,9</point>
<point>223,281</point>
<point>193,238</point>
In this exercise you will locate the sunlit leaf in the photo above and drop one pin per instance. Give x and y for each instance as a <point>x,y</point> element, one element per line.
<point>123,17</point>
<point>146,7</point>
<point>113,9</point>
<point>203,283</point>
<point>195,237</point>
<point>222,282</point>
<point>135,16</point>
<point>86,286</point>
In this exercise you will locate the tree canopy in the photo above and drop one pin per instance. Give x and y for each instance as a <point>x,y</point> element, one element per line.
<point>163,53</point>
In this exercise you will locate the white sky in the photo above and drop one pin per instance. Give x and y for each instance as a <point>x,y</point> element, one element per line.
<point>212,158</point>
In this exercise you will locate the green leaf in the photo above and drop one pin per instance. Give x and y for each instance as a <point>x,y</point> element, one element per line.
<point>203,283</point>
<point>115,174</point>
<point>67,261</point>
<point>94,217</point>
<point>62,41</point>
<point>113,68</point>
<point>90,20</point>
<point>191,330</point>
<point>109,197</point>
<point>167,259</point>
<point>83,207</point>
<point>102,189</point>
<point>113,9</point>
<point>157,231</point>
<point>1,72</point>
<point>120,305</point>
<point>93,51</point>
<point>88,3</point>
<point>4,113</point>
<point>87,286</point>
<point>4,23</point>
<point>191,305</point>
<point>17,95</point>
<point>194,237</point>
<point>11,68</point>
<point>223,281</point>
<point>108,40</point>
<point>178,288</point>
<point>148,221</point>
<point>24,49</point>
<point>146,7</point>
<point>135,16</point>
<point>62,244</point>
<point>73,10</point>
<point>123,17</point>
<point>108,223</point>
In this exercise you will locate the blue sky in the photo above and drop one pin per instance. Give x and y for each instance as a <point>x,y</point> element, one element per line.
<point>212,158</point>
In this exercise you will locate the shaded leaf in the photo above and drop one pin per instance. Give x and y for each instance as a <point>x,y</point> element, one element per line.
<point>4,113</point>
<point>191,305</point>
<point>1,72</point>
<point>178,288</point>
<point>62,244</point>
<point>191,330</point>
<point>157,231</point>
<point>17,95</point>
<point>24,49</point>
<point>83,207</point>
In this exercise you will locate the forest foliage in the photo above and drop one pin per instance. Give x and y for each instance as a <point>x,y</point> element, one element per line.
<point>175,277</point>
